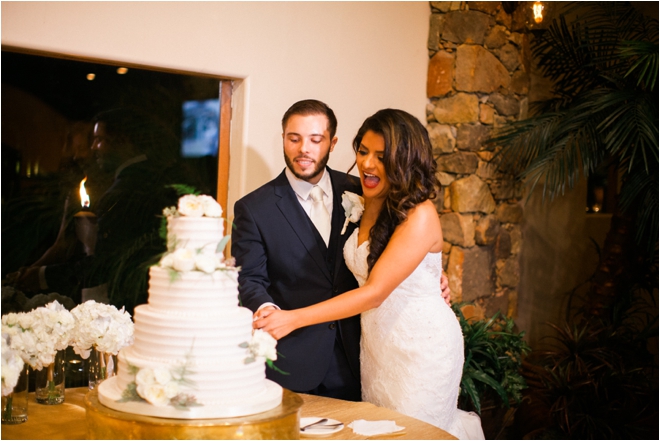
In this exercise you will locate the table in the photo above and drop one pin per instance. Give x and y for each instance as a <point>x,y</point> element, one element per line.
<point>67,420</point>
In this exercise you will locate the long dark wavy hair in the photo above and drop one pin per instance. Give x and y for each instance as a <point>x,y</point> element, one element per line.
<point>410,169</point>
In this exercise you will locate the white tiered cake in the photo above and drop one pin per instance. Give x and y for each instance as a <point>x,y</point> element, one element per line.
<point>194,354</point>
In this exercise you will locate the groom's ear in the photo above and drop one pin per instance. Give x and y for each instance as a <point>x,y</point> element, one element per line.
<point>333,143</point>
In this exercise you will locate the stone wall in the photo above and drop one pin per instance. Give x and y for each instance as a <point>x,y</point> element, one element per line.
<point>478,78</point>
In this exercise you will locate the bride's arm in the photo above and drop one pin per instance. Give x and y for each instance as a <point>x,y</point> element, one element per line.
<point>418,235</point>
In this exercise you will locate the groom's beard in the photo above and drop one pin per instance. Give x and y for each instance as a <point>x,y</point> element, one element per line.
<point>320,166</point>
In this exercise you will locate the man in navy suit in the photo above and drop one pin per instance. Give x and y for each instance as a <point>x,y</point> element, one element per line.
<point>286,263</point>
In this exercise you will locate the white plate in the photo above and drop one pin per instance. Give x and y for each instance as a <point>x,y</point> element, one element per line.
<point>319,430</point>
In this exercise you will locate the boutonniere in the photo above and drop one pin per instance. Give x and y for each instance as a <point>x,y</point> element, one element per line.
<point>353,207</point>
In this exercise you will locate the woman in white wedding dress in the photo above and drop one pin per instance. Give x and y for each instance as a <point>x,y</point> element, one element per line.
<point>411,354</point>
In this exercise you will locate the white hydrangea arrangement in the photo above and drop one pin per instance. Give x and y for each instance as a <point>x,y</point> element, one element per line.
<point>38,335</point>
<point>101,326</point>
<point>353,208</point>
<point>12,365</point>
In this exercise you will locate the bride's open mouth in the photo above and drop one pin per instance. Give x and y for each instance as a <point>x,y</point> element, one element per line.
<point>369,180</point>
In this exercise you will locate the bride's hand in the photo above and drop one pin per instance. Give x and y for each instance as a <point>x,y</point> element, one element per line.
<point>277,323</point>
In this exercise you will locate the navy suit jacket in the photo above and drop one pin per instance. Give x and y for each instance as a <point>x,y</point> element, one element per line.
<point>284,260</point>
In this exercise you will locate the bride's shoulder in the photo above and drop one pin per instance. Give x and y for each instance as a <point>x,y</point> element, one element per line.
<point>423,220</point>
<point>424,212</point>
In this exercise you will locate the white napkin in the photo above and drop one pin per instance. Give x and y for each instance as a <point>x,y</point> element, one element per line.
<point>371,428</point>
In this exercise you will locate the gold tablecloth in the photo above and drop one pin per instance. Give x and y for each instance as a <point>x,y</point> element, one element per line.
<point>67,420</point>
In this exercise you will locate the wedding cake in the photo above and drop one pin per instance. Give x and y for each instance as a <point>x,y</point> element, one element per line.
<point>194,354</point>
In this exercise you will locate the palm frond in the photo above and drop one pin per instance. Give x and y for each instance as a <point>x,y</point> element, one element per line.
<point>644,56</point>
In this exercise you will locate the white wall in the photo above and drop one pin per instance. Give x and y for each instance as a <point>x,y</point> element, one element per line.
<point>357,57</point>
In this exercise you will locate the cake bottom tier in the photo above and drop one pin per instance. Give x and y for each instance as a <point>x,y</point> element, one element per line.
<point>281,422</point>
<point>269,397</point>
<point>210,381</point>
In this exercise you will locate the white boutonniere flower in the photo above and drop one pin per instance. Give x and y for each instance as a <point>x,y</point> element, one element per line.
<point>353,207</point>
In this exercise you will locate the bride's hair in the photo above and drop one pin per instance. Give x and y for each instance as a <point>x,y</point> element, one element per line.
<point>410,169</point>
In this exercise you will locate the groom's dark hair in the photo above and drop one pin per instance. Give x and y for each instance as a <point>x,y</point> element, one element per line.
<point>312,107</point>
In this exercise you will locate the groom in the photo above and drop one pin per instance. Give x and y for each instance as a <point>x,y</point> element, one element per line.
<point>290,261</point>
<point>287,263</point>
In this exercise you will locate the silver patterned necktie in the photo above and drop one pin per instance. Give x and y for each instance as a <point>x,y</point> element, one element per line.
<point>319,214</point>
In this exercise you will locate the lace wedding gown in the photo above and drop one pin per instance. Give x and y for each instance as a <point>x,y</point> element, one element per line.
<point>411,350</point>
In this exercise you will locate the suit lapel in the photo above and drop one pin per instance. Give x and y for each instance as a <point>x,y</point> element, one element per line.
<point>339,186</point>
<point>298,220</point>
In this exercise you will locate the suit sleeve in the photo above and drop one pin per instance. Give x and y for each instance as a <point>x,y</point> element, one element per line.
<point>249,250</point>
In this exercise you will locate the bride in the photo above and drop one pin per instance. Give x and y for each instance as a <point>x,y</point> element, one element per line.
<point>411,349</point>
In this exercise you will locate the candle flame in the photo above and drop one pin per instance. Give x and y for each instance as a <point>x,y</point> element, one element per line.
<point>84,197</point>
<point>537,7</point>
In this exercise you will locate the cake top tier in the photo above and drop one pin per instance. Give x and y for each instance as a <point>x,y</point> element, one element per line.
<point>195,239</point>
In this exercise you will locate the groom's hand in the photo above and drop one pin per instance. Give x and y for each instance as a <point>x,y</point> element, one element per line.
<point>444,287</point>
<point>262,313</point>
<point>277,323</point>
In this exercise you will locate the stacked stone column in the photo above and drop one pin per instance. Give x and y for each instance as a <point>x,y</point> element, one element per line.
<point>478,78</point>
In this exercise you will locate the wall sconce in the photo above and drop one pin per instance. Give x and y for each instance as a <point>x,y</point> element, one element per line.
<point>529,15</point>
<point>537,11</point>
<point>539,15</point>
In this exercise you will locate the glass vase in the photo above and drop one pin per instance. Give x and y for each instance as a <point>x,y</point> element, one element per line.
<point>49,381</point>
<point>15,405</point>
<point>102,365</point>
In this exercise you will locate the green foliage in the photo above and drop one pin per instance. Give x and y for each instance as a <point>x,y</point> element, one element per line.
<point>493,357</point>
<point>604,68</point>
<point>130,393</point>
<point>596,381</point>
<point>183,189</point>
<point>222,244</point>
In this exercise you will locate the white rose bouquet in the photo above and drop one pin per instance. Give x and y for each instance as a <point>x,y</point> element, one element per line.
<point>353,207</point>
<point>102,327</point>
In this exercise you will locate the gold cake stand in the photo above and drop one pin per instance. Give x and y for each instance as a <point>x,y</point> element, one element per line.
<point>281,422</point>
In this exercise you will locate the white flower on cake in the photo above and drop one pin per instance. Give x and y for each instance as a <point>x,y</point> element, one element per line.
<point>263,345</point>
<point>167,261</point>
<point>161,386</point>
<point>353,208</point>
<point>101,326</point>
<point>211,207</point>
<point>170,211</point>
<point>38,335</point>
<point>162,376</point>
<point>206,263</point>
<point>183,260</point>
<point>12,365</point>
<point>190,205</point>
<point>156,386</point>
<point>195,206</point>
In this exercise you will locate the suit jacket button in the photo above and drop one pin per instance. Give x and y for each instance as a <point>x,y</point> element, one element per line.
<point>332,325</point>
<point>336,290</point>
